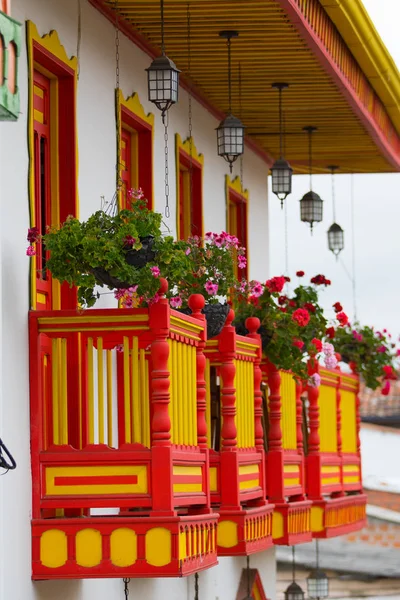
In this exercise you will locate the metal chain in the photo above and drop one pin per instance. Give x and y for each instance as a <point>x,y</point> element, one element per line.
<point>126,589</point>
<point>118,178</point>
<point>333,194</point>
<point>286,246</point>
<point>190,124</point>
<point>165,122</point>
<point>196,586</point>
<point>248,578</point>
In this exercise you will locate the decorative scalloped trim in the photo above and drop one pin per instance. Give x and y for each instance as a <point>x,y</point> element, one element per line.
<point>51,43</point>
<point>133,104</point>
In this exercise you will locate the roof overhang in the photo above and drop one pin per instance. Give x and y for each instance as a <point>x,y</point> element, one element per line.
<point>342,80</point>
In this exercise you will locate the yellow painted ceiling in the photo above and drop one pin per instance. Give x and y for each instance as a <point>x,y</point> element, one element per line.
<point>268,49</point>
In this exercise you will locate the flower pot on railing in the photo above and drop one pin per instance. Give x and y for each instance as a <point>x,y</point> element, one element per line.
<point>215,314</point>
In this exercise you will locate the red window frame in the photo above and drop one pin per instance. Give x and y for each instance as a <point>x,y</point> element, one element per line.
<point>237,225</point>
<point>190,196</point>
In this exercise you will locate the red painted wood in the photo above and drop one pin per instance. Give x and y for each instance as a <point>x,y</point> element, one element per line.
<point>275,408</point>
<point>227,348</point>
<point>253,325</point>
<point>196,303</point>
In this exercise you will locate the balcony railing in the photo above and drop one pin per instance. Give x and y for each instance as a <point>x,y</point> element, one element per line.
<point>285,457</point>
<point>118,422</point>
<point>237,457</point>
<point>334,481</point>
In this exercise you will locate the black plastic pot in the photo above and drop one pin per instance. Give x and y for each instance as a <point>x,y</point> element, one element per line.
<point>135,258</point>
<point>215,314</point>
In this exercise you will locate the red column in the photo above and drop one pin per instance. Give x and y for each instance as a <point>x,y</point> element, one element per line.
<point>161,466</point>
<point>299,415</point>
<point>314,479</point>
<point>275,408</point>
<point>196,303</point>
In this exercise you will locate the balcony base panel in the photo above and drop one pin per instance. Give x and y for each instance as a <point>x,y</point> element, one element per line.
<point>292,523</point>
<point>338,516</point>
<point>245,532</point>
<point>113,546</point>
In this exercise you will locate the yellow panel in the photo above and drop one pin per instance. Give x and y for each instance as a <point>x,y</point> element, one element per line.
<point>327,419</point>
<point>96,471</point>
<point>53,548</point>
<point>348,423</point>
<point>41,298</point>
<point>288,398</point>
<point>317,518</point>
<point>88,547</point>
<point>277,525</point>
<point>179,470</point>
<point>158,546</point>
<point>187,487</point>
<point>123,547</point>
<point>227,535</point>
<point>182,545</point>
<point>213,479</point>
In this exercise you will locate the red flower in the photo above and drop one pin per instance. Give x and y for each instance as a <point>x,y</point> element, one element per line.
<point>301,316</point>
<point>300,273</point>
<point>317,343</point>
<point>275,285</point>
<point>298,343</point>
<point>389,372</point>
<point>282,300</point>
<point>320,280</point>
<point>342,318</point>
<point>328,282</point>
<point>310,307</point>
<point>292,303</point>
<point>330,332</point>
<point>386,388</point>
<point>287,279</point>
<point>353,366</point>
<point>33,234</point>
<point>254,300</point>
<point>338,307</point>
<point>283,309</point>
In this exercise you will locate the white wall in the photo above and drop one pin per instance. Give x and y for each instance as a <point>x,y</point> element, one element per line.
<point>380,448</point>
<point>96,142</point>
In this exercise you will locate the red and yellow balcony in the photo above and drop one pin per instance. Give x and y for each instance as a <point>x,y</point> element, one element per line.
<point>334,482</point>
<point>119,449</point>
<point>237,457</point>
<point>285,462</point>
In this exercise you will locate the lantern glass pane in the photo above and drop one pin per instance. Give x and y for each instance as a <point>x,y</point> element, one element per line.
<point>311,208</point>
<point>281,181</point>
<point>318,586</point>
<point>230,141</point>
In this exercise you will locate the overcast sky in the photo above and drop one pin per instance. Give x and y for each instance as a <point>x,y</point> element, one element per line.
<point>376,223</point>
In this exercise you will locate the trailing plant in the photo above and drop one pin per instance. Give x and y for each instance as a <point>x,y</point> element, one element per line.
<point>107,247</point>
<point>292,325</point>
<point>370,353</point>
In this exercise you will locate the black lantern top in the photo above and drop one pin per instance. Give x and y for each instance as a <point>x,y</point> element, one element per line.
<point>230,132</point>
<point>294,592</point>
<point>281,171</point>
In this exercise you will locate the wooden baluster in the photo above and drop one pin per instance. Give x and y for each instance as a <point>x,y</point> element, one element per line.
<point>160,376</point>
<point>275,408</point>
<point>253,325</point>
<point>313,411</point>
<point>299,415</point>
<point>162,463</point>
<point>228,393</point>
<point>339,415</point>
<point>196,303</point>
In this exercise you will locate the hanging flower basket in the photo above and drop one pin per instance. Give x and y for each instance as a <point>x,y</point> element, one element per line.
<point>134,258</point>
<point>266,336</point>
<point>216,315</point>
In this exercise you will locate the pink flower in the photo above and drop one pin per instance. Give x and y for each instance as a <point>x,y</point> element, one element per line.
<point>136,194</point>
<point>154,299</point>
<point>211,288</point>
<point>30,251</point>
<point>209,236</point>
<point>176,302</point>
<point>314,380</point>
<point>398,352</point>
<point>242,262</point>
<point>331,361</point>
<point>381,349</point>
<point>33,234</point>
<point>328,349</point>
<point>243,286</point>
<point>129,241</point>
<point>256,289</point>
<point>386,388</point>
<point>187,251</point>
<point>218,240</point>
<point>298,343</point>
<point>155,271</point>
<point>357,336</point>
<point>119,348</point>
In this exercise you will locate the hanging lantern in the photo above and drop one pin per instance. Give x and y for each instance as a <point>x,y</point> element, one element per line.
<point>294,592</point>
<point>335,232</point>
<point>163,77</point>
<point>281,171</point>
<point>335,239</point>
<point>311,205</point>
<point>230,132</point>
<point>318,585</point>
